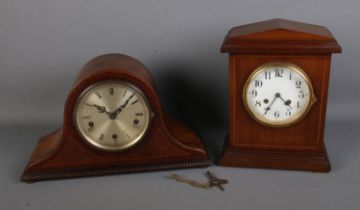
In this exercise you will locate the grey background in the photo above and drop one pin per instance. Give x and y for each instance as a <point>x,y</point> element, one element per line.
<point>43,43</point>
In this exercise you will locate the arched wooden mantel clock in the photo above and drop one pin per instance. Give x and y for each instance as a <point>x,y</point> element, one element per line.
<point>113,123</point>
<point>278,84</point>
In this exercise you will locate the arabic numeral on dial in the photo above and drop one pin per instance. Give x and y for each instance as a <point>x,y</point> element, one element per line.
<point>298,104</point>
<point>298,84</point>
<point>258,83</point>
<point>267,74</point>
<point>258,103</point>
<point>301,94</point>
<point>288,113</point>
<point>253,93</point>
<point>279,72</point>
<point>276,114</point>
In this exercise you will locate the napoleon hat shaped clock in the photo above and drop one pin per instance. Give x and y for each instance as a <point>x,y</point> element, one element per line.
<point>278,84</point>
<point>114,123</point>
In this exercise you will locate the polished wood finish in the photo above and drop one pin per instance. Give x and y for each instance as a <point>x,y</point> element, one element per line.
<point>299,146</point>
<point>167,145</point>
<point>280,36</point>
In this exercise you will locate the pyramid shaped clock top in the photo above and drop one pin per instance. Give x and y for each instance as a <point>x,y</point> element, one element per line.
<point>280,36</point>
<point>279,75</point>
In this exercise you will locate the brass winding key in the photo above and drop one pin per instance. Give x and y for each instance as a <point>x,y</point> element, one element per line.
<point>213,181</point>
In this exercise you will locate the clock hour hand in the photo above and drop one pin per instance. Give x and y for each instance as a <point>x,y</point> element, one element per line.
<point>277,95</point>
<point>266,110</point>
<point>101,109</point>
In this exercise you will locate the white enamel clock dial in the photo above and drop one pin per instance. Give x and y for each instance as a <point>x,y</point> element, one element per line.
<point>112,115</point>
<point>278,94</point>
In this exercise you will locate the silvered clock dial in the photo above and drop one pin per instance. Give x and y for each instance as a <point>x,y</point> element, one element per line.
<point>112,115</point>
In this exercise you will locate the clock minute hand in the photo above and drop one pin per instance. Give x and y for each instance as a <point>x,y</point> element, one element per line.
<point>118,110</point>
<point>277,95</point>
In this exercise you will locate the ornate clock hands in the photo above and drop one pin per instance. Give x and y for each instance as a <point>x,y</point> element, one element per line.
<point>287,102</point>
<point>101,109</point>
<point>277,95</point>
<point>114,114</point>
<point>118,110</point>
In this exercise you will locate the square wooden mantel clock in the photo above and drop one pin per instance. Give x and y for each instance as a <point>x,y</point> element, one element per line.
<point>278,85</point>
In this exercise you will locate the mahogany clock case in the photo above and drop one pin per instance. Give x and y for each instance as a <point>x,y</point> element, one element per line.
<point>168,144</point>
<point>299,146</point>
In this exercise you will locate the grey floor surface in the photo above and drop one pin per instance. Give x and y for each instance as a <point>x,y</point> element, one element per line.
<point>248,188</point>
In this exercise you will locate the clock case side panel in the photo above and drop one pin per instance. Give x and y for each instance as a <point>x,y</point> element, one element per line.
<point>242,145</point>
<point>167,145</point>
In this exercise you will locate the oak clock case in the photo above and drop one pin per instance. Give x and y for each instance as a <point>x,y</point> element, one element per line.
<point>114,123</point>
<point>278,83</point>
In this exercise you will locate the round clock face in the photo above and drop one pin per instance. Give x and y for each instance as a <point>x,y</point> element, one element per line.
<point>112,115</point>
<point>278,94</point>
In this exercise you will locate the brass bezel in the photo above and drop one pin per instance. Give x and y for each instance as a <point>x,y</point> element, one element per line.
<point>292,120</point>
<point>92,142</point>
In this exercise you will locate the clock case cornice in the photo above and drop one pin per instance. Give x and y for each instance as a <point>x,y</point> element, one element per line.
<point>168,144</point>
<point>280,36</point>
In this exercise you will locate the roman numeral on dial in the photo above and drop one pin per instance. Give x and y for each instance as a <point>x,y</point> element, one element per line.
<point>111,91</point>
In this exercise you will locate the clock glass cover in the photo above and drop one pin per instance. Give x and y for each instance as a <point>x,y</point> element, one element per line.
<point>278,94</point>
<point>112,115</point>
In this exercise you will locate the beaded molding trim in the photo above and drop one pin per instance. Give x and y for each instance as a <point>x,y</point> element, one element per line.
<point>40,176</point>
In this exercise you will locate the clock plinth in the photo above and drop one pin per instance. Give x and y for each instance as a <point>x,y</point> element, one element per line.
<point>166,145</point>
<point>308,161</point>
<point>261,143</point>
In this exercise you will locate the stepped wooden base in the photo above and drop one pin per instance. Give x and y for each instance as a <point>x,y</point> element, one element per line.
<point>308,161</point>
